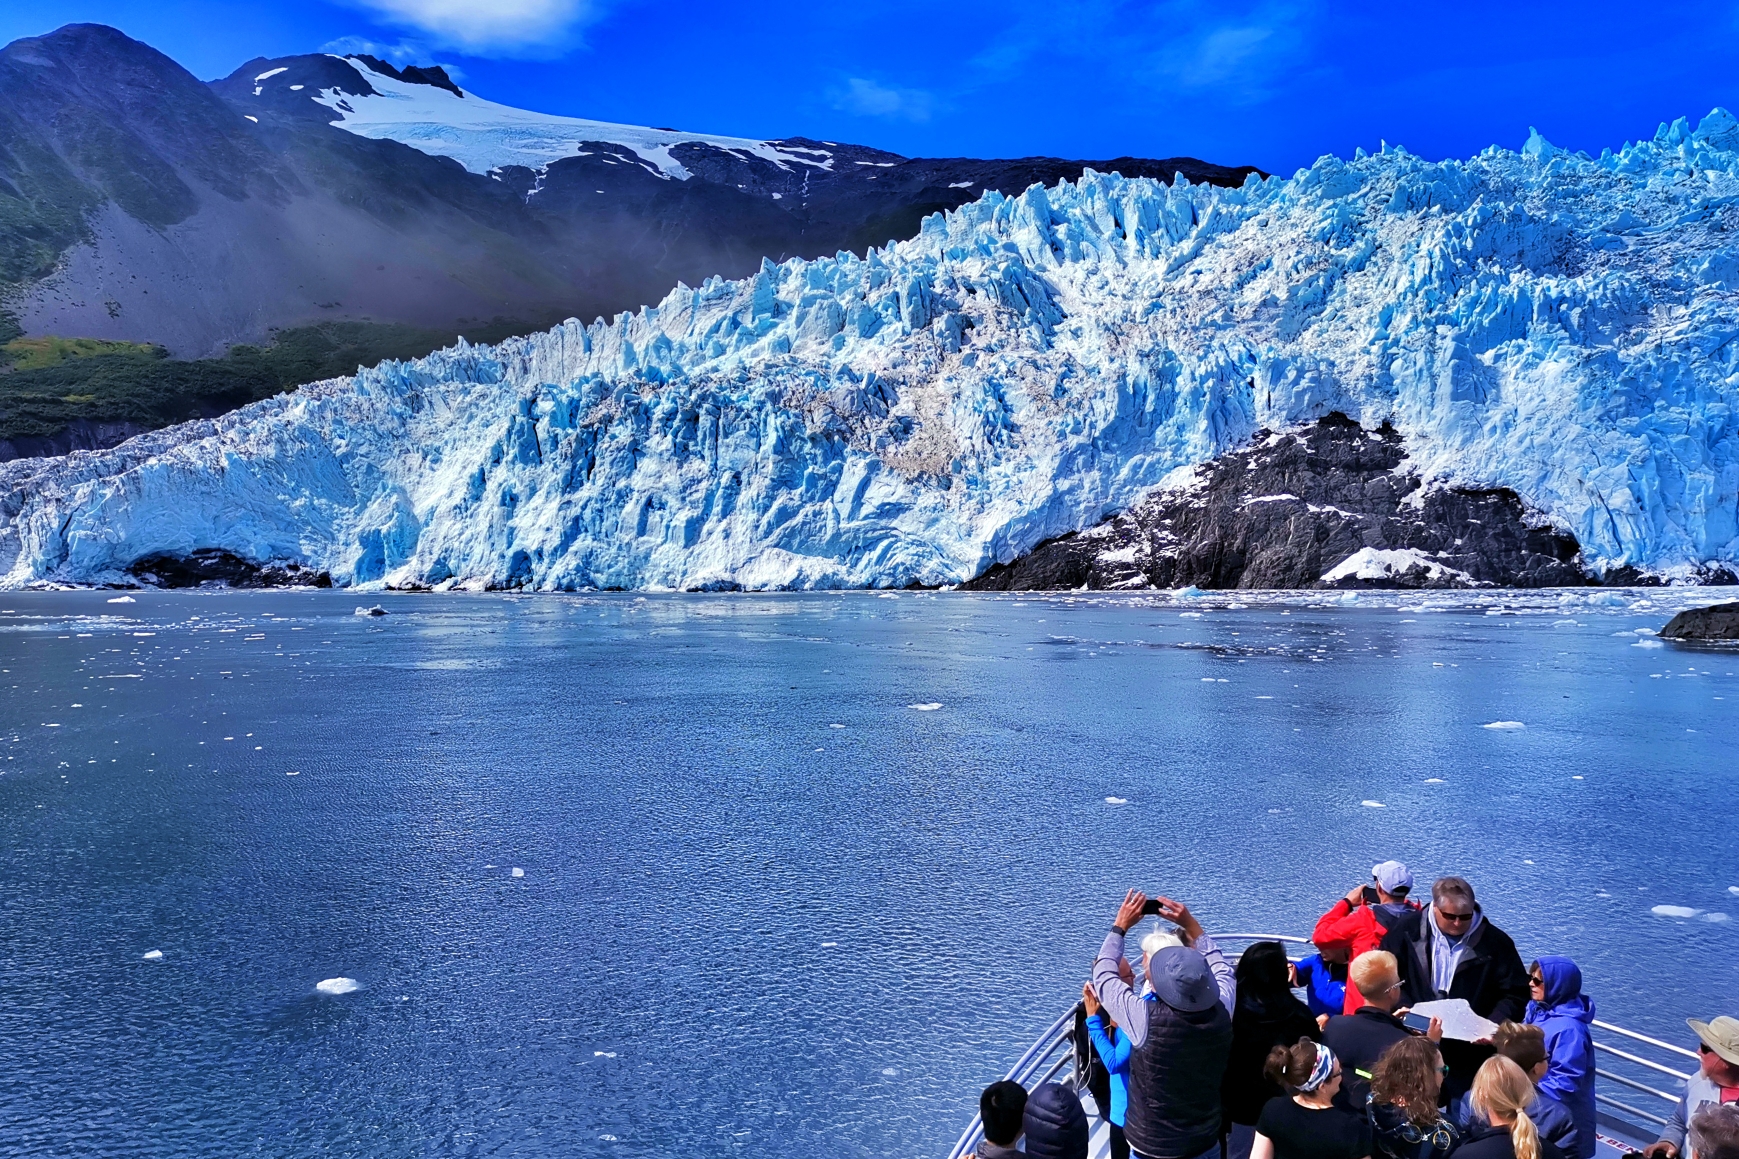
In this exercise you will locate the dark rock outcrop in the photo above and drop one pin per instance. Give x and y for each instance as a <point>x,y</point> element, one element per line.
<point>1296,510</point>
<point>211,567</point>
<point>1720,622</point>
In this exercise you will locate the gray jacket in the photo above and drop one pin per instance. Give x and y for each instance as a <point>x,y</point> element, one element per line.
<point>1125,1005</point>
<point>1699,1089</point>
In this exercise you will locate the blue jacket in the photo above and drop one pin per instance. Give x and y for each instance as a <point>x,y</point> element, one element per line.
<point>1114,1053</point>
<point>1322,991</point>
<point>1567,1017</point>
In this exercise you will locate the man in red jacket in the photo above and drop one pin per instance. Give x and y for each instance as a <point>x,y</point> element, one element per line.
<point>1358,921</point>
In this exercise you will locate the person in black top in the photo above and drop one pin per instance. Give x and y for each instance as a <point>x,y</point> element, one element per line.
<point>1267,1016</point>
<point>1406,1122</point>
<point>1501,1094</point>
<point>1360,1038</point>
<point>1308,1125</point>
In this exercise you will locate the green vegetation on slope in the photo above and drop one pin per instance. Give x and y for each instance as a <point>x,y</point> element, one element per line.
<point>61,381</point>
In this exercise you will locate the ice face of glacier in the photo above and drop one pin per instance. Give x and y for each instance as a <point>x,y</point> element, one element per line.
<point>1550,322</point>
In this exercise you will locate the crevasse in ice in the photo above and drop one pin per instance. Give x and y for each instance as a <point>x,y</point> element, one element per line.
<point>1542,320</point>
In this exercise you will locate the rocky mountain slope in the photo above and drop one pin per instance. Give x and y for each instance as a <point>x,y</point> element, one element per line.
<point>139,203</point>
<point>1548,324</point>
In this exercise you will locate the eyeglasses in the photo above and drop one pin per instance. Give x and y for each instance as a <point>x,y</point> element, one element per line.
<point>1449,917</point>
<point>1443,1070</point>
<point>1536,980</point>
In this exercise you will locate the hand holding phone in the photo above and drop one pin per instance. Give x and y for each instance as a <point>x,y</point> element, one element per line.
<point>1417,1023</point>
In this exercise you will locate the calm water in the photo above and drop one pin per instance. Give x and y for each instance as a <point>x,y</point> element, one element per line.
<point>768,908</point>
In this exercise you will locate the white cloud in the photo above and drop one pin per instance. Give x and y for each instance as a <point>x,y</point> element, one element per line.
<point>490,27</point>
<point>866,98</point>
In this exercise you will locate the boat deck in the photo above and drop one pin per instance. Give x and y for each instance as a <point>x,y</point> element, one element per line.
<point>1647,1072</point>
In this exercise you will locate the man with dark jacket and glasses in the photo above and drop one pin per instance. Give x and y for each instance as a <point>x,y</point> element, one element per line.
<point>1450,950</point>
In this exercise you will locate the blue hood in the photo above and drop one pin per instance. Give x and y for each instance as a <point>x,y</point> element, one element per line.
<point>1564,997</point>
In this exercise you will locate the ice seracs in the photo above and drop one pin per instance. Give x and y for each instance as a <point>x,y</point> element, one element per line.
<point>1544,321</point>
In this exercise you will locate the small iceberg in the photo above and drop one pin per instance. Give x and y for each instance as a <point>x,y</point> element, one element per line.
<point>153,955</point>
<point>1674,911</point>
<point>1504,724</point>
<point>1373,804</point>
<point>123,600</point>
<point>377,610</point>
<point>518,872</point>
<point>1117,800</point>
<point>338,985</point>
<point>930,707</point>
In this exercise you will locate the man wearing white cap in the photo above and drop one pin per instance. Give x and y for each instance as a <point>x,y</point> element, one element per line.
<point>1717,1081</point>
<point>1358,921</point>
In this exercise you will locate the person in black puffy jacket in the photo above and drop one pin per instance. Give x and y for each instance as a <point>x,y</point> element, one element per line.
<point>1055,1125</point>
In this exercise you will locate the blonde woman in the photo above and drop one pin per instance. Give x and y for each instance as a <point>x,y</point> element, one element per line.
<point>1502,1093</point>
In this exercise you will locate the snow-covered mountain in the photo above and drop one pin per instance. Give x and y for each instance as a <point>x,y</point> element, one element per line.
<point>444,120</point>
<point>140,203</point>
<point>1554,323</point>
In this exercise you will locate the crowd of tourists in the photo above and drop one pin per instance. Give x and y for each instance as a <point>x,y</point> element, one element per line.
<point>1204,1060</point>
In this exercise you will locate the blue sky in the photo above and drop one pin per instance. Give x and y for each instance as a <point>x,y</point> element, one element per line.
<point>1264,82</point>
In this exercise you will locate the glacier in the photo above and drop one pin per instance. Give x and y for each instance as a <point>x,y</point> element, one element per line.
<point>1559,324</point>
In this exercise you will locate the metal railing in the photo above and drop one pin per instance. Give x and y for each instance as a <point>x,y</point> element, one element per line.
<point>1053,1056</point>
<point>1637,1060</point>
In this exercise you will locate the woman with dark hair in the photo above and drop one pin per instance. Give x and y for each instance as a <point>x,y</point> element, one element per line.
<point>1308,1125</point>
<point>1267,1016</point>
<point>1405,1121</point>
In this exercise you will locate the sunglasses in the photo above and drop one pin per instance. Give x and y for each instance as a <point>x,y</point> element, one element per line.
<point>1536,980</point>
<point>1449,917</point>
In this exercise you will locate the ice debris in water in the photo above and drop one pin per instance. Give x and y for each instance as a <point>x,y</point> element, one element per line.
<point>517,872</point>
<point>153,955</point>
<point>1117,800</point>
<point>1733,889</point>
<point>890,1071</point>
<point>930,707</point>
<point>1674,911</point>
<point>1539,319</point>
<point>123,600</point>
<point>1716,916</point>
<point>1373,804</point>
<point>337,985</point>
<point>603,1054</point>
<point>376,610</point>
<point>1504,724</point>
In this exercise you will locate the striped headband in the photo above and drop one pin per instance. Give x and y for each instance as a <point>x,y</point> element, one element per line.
<point>1320,1072</point>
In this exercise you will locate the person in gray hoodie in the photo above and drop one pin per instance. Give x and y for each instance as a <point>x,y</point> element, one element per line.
<point>1180,1033</point>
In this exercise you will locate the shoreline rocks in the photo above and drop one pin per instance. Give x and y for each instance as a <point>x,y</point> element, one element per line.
<point>1718,622</point>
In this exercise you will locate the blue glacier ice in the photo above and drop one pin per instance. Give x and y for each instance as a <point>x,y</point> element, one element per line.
<point>1556,323</point>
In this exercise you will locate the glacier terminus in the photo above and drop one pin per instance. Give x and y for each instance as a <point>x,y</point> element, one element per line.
<point>1553,323</point>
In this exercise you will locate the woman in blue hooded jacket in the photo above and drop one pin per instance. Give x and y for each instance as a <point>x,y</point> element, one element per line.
<point>1566,1015</point>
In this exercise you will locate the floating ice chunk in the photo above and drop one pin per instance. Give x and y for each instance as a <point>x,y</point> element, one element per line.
<point>1504,724</point>
<point>1565,624</point>
<point>603,1054</point>
<point>294,773</point>
<point>153,955</point>
<point>1117,800</point>
<point>1643,632</point>
<point>1207,680</point>
<point>123,600</point>
<point>930,707</point>
<point>890,1071</point>
<point>1190,615</point>
<point>1733,889</point>
<point>1648,644</point>
<point>1434,780</point>
<point>1716,916</point>
<point>829,945</point>
<point>1526,861</point>
<point>1373,804</point>
<point>608,1138</point>
<point>836,726</point>
<point>338,985</point>
<point>1674,911</point>
<point>377,610</point>
<point>518,872</point>
<point>1188,593</point>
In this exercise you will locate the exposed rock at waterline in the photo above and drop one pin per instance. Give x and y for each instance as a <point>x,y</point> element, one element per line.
<point>1720,622</point>
<point>1328,506</point>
